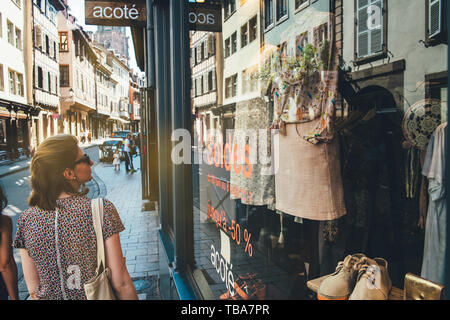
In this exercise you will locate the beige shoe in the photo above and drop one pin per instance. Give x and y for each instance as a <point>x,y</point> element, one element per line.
<point>373,281</point>
<point>339,285</point>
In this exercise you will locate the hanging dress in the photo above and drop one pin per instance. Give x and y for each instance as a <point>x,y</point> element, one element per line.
<point>433,266</point>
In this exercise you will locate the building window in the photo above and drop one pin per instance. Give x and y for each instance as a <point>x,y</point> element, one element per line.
<point>10,30</point>
<point>12,82</point>
<point>281,9</point>
<point>244,35</point>
<point>63,41</point>
<point>227,47</point>
<point>370,29</point>
<point>231,86</point>
<point>2,82</point>
<point>253,28</point>
<point>301,3</point>
<point>19,84</point>
<point>202,51</point>
<point>15,83</point>
<point>18,39</point>
<point>211,45</point>
<point>268,13</point>
<point>229,7</point>
<point>40,78</point>
<point>436,22</point>
<point>17,2</point>
<point>320,34</point>
<point>234,42</point>
<point>211,80</point>
<point>38,37</point>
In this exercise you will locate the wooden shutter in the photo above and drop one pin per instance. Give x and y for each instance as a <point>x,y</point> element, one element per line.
<point>434,18</point>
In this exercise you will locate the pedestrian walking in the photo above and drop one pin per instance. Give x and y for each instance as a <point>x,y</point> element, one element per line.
<point>8,267</point>
<point>56,235</point>
<point>116,160</point>
<point>128,157</point>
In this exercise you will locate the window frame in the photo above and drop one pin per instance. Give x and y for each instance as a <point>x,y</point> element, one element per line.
<point>441,37</point>
<point>2,78</point>
<point>377,56</point>
<point>271,25</point>
<point>285,16</point>
<point>61,33</point>
<point>10,32</point>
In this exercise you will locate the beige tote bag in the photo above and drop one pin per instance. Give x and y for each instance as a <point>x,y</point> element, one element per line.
<point>99,287</point>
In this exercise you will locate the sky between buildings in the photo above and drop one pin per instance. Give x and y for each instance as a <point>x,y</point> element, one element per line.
<point>77,9</point>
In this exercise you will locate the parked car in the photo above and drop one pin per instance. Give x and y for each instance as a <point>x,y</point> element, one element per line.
<point>107,149</point>
<point>122,134</point>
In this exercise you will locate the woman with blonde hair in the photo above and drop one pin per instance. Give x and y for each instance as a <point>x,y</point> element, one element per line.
<point>56,235</point>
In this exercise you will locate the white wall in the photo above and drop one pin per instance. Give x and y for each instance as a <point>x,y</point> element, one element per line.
<point>11,57</point>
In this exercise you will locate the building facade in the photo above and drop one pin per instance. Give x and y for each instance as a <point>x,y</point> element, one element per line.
<point>120,116</point>
<point>77,77</point>
<point>16,101</point>
<point>46,68</point>
<point>104,93</point>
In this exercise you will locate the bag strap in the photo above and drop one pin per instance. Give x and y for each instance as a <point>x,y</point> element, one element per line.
<point>97,219</point>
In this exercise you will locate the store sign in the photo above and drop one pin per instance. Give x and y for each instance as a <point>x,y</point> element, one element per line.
<point>205,17</point>
<point>116,13</point>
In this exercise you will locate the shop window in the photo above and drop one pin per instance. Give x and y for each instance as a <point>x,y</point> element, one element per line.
<point>435,22</point>
<point>281,9</point>
<point>268,13</point>
<point>63,41</point>
<point>370,30</point>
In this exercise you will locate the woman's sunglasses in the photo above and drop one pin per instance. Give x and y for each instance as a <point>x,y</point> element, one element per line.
<point>84,159</point>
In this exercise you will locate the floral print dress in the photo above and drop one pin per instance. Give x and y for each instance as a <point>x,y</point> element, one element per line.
<point>36,232</point>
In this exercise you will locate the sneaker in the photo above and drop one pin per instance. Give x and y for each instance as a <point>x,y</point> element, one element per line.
<point>339,285</point>
<point>373,281</point>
